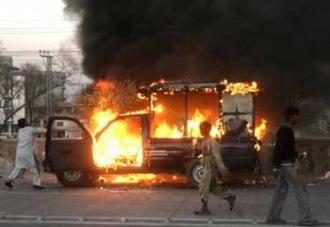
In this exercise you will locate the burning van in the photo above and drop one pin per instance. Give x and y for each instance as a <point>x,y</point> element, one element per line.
<point>163,138</point>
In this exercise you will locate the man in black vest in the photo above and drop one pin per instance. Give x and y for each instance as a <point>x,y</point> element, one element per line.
<point>284,160</point>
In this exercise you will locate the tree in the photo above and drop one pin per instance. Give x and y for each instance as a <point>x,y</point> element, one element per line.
<point>35,86</point>
<point>65,67</point>
<point>10,90</point>
<point>11,85</point>
<point>69,67</point>
<point>119,96</point>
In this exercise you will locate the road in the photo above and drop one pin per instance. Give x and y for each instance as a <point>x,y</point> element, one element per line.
<point>161,205</point>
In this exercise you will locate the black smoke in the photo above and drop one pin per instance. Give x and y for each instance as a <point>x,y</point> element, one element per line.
<point>283,44</point>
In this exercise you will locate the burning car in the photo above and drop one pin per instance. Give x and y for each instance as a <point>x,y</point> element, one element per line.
<point>163,138</point>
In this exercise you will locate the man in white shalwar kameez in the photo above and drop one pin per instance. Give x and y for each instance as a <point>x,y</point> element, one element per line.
<point>25,155</point>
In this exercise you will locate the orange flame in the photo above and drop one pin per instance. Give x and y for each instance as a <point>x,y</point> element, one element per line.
<point>240,88</point>
<point>158,109</point>
<point>143,179</point>
<point>261,129</point>
<point>120,145</point>
<point>133,178</point>
<point>102,86</point>
<point>164,130</point>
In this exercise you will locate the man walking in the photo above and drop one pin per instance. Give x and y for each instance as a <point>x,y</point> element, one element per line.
<point>284,159</point>
<point>212,165</point>
<point>25,155</point>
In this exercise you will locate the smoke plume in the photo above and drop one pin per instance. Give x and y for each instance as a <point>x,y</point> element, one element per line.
<point>283,44</point>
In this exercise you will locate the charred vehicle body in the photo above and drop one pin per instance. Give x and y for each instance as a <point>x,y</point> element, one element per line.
<point>167,135</point>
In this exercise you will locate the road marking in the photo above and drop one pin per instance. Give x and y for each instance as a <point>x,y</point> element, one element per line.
<point>123,221</point>
<point>134,221</point>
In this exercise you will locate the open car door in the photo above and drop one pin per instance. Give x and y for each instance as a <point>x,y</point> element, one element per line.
<point>69,150</point>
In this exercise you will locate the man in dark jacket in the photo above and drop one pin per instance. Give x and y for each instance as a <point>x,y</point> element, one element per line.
<point>284,159</point>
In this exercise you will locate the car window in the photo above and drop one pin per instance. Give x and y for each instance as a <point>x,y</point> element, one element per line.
<point>67,129</point>
<point>237,107</point>
<point>169,116</point>
<point>202,106</point>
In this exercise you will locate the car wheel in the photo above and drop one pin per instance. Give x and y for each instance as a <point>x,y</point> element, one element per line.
<point>76,178</point>
<point>194,172</point>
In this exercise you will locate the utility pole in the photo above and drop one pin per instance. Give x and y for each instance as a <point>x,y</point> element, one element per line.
<point>49,58</point>
<point>8,99</point>
<point>6,66</point>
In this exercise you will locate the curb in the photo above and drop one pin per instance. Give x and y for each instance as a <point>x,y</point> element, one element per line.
<point>134,221</point>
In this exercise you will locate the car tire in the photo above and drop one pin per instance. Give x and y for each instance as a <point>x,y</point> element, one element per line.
<point>76,178</point>
<point>194,172</point>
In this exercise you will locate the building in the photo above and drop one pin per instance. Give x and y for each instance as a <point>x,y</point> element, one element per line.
<point>11,95</point>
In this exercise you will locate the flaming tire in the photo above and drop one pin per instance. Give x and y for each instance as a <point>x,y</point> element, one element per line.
<point>76,178</point>
<point>194,172</point>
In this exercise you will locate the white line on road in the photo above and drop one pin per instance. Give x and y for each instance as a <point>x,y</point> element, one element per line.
<point>133,221</point>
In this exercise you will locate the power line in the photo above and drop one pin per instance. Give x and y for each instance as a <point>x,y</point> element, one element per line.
<point>49,62</point>
<point>36,32</point>
<point>32,28</point>
<point>33,53</point>
<point>37,51</point>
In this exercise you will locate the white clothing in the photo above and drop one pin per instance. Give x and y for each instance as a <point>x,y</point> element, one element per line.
<point>17,173</point>
<point>25,154</point>
<point>25,147</point>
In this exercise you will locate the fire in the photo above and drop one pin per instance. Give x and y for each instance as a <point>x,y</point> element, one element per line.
<point>142,179</point>
<point>164,130</point>
<point>240,88</point>
<point>158,109</point>
<point>261,129</point>
<point>120,145</point>
<point>161,81</point>
<point>103,86</point>
<point>133,178</point>
<point>193,124</point>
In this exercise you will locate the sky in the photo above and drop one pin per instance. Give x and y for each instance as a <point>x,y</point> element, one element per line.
<point>27,26</point>
<point>34,24</point>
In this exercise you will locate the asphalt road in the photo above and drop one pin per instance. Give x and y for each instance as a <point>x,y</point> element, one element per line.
<point>161,205</point>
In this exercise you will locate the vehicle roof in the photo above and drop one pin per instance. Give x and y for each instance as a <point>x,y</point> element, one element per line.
<point>183,86</point>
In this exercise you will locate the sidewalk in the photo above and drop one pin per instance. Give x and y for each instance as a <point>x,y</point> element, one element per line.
<point>158,206</point>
